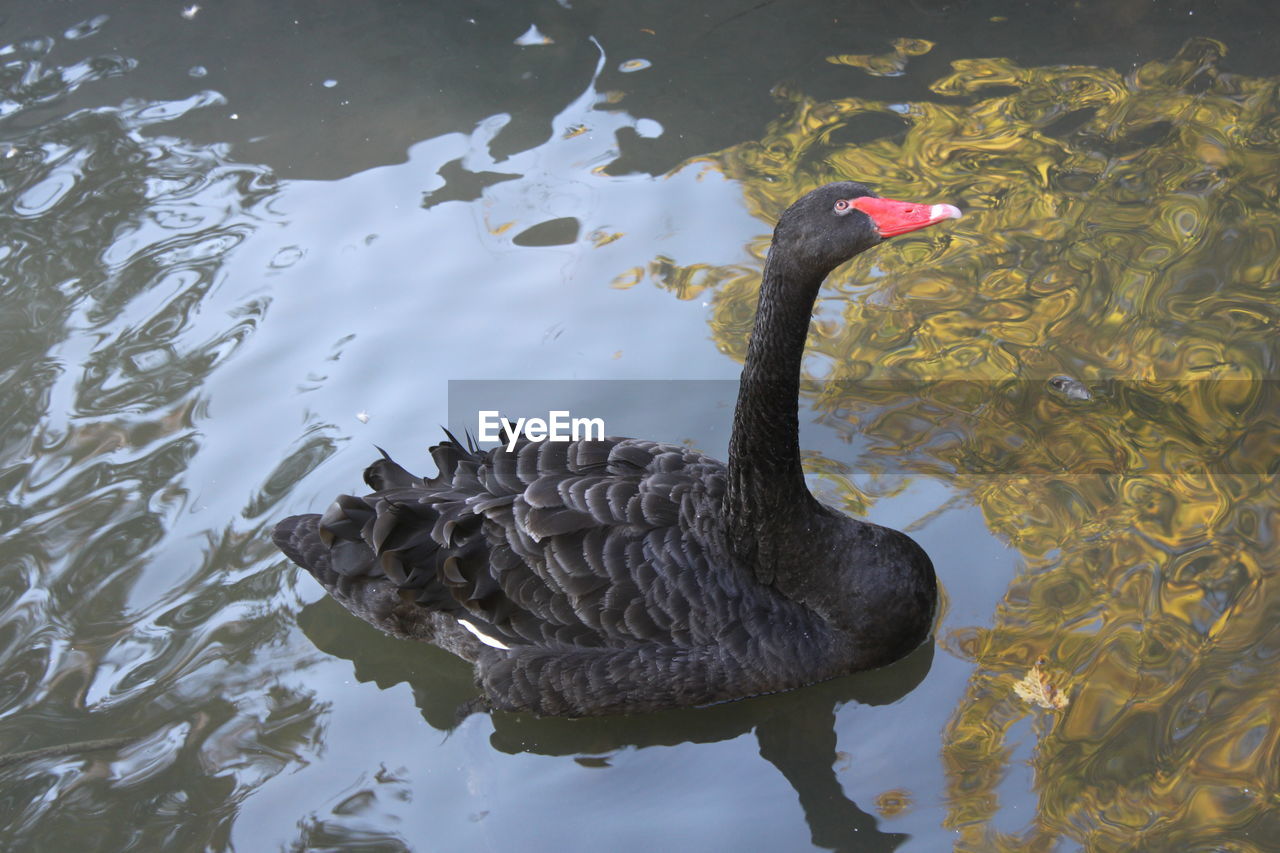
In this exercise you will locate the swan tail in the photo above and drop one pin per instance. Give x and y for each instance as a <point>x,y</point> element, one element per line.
<point>333,564</point>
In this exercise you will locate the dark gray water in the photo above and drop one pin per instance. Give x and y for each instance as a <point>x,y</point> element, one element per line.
<point>240,246</point>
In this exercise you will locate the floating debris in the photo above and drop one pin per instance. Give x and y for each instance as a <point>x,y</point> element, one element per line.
<point>1036,689</point>
<point>894,802</point>
<point>634,65</point>
<point>1072,389</point>
<point>65,749</point>
<point>533,37</point>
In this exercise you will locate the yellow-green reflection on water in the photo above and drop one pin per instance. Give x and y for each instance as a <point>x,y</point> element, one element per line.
<point>1121,237</point>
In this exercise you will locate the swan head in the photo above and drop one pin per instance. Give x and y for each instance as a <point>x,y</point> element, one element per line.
<point>831,224</point>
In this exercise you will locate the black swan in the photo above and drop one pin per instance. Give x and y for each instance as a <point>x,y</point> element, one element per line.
<point>619,575</point>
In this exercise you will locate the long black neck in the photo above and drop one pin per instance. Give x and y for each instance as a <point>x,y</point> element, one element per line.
<point>767,501</point>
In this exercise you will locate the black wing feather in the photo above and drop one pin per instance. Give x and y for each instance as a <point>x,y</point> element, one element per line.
<point>571,554</point>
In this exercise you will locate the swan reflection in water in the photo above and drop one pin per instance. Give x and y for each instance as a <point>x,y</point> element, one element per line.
<point>796,730</point>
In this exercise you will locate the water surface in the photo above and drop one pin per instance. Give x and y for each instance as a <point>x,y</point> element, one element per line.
<point>241,247</point>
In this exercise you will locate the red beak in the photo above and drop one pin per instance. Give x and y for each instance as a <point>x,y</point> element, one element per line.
<point>898,217</point>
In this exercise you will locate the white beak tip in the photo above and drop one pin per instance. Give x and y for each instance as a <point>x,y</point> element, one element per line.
<point>940,212</point>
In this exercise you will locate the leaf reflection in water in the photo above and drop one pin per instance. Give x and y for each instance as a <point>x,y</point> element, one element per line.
<point>1122,230</point>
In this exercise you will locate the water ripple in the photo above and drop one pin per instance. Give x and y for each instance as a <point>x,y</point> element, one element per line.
<point>112,319</point>
<point>1121,231</point>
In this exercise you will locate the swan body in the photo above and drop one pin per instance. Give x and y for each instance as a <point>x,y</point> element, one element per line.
<point>622,576</point>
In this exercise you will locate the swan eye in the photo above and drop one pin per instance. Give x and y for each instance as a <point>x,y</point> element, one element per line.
<point>843,206</point>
